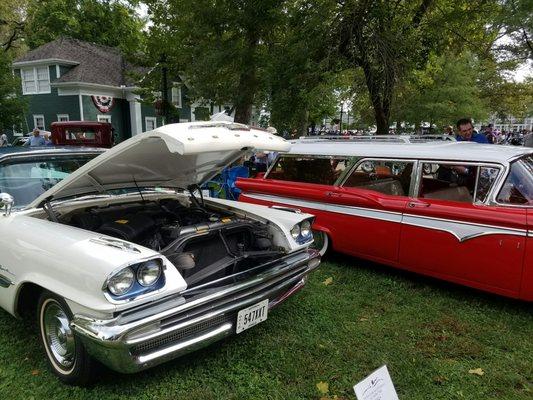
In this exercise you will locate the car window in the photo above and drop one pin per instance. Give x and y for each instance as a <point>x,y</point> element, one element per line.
<point>486,179</point>
<point>383,176</point>
<point>319,170</point>
<point>518,186</point>
<point>26,179</point>
<point>448,182</point>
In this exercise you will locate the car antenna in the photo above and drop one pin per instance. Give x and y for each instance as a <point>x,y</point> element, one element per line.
<point>138,188</point>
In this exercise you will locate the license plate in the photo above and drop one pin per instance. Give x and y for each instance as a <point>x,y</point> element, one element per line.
<point>252,315</point>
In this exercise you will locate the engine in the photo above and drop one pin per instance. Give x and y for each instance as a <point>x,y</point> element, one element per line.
<point>204,245</point>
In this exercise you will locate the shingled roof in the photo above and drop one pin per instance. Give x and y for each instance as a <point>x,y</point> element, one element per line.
<point>96,64</point>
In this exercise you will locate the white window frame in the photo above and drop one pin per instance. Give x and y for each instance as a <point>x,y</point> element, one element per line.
<point>103,118</point>
<point>35,80</point>
<point>176,94</point>
<point>150,119</point>
<point>63,118</point>
<point>35,117</point>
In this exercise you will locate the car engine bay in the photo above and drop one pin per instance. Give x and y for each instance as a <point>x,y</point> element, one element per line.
<point>203,244</point>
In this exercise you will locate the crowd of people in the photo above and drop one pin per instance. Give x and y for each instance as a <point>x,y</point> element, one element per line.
<point>464,130</point>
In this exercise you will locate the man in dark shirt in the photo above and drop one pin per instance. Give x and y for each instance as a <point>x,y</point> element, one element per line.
<point>466,133</point>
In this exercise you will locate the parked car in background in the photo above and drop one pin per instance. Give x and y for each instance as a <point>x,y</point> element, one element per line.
<point>82,133</point>
<point>28,172</point>
<point>456,211</point>
<point>137,268</point>
<point>21,140</point>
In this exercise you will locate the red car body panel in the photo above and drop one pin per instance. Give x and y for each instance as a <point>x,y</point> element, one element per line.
<point>475,245</point>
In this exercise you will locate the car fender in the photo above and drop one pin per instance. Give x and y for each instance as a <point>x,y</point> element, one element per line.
<point>68,261</point>
<point>284,220</point>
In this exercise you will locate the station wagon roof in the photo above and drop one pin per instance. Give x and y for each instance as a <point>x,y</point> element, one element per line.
<point>453,151</point>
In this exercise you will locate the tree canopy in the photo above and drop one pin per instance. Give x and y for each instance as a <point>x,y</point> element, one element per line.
<point>108,22</point>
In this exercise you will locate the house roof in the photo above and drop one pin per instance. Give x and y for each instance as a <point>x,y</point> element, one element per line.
<point>93,63</point>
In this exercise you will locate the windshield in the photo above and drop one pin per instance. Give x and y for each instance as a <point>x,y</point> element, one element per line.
<point>518,186</point>
<point>27,178</point>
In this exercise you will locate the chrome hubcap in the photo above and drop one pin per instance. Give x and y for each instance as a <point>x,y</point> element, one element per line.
<point>59,336</point>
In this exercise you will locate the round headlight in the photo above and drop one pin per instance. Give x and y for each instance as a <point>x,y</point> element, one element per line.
<point>305,228</point>
<point>148,273</point>
<point>295,231</point>
<point>121,282</point>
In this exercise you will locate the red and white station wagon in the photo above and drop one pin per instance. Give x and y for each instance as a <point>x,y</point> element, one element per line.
<point>457,211</point>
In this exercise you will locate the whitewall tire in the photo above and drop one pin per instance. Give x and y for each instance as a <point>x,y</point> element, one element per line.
<point>65,353</point>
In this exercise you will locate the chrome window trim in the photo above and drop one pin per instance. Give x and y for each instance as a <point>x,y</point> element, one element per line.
<point>319,156</point>
<point>478,164</point>
<point>364,159</point>
<point>500,183</point>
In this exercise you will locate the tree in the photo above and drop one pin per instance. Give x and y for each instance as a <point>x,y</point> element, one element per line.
<point>219,46</point>
<point>108,22</point>
<point>12,25</point>
<point>515,24</point>
<point>446,90</point>
<point>11,102</point>
<point>388,39</point>
<point>302,86</point>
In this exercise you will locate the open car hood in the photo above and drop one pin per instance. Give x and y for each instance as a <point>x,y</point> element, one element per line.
<point>171,156</point>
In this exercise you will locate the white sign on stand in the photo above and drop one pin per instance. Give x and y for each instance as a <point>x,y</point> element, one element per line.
<point>376,386</point>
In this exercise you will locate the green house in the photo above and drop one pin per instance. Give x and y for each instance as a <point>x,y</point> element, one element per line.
<point>72,80</point>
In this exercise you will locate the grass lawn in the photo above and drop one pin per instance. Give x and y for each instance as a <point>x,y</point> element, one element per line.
<point>429,333</point>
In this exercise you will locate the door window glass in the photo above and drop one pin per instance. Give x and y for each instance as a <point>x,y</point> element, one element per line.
<point>518,186</point>
<point>448,182</point>
<point>383,176</point>
<point>487,177</point>
<point>306,169</point>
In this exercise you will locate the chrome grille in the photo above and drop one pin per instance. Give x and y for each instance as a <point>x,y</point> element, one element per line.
<point>181,335</point>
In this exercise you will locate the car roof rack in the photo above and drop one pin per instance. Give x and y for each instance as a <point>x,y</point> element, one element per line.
<point>379,138</point>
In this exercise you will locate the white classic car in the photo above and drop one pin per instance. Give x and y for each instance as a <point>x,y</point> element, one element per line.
<point>138,268</point>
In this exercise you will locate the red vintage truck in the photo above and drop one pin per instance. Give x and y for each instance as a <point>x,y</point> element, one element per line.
<point>82,133</point>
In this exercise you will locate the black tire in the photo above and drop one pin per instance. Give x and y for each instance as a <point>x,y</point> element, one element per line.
<point>321,243</point>
<point>64,351</point>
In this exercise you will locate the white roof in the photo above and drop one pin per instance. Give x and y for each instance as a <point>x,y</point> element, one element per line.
<point>454,151</point>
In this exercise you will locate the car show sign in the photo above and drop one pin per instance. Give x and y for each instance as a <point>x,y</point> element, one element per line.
<point>376,386</point>
<point>103,103</point>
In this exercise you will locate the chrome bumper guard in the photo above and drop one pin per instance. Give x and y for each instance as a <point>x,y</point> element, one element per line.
<point>150,335</point>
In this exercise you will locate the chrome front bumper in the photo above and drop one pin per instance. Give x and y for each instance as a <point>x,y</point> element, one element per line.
<point>155,333</point>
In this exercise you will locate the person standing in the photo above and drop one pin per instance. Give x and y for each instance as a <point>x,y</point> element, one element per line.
<point>36,139</point>
<point>4,142</point>
<point>466,133</point>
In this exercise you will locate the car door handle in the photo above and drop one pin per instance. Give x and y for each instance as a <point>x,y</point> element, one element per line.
<point>417,204</point>
<point>333,194</point>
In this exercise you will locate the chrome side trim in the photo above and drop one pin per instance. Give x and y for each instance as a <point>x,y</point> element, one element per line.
<point>463,231</point>
<point>390,216</point>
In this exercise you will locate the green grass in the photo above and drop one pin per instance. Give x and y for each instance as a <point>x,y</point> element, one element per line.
<point>429,333</point>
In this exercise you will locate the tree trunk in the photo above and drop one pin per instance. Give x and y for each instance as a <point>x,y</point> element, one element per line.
<point>380,98</point>
<point>247,83</point>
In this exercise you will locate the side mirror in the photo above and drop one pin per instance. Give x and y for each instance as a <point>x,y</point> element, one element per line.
<point>6,200</point>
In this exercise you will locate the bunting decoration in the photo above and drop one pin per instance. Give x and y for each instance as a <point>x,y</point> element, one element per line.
<point>103,103</point>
